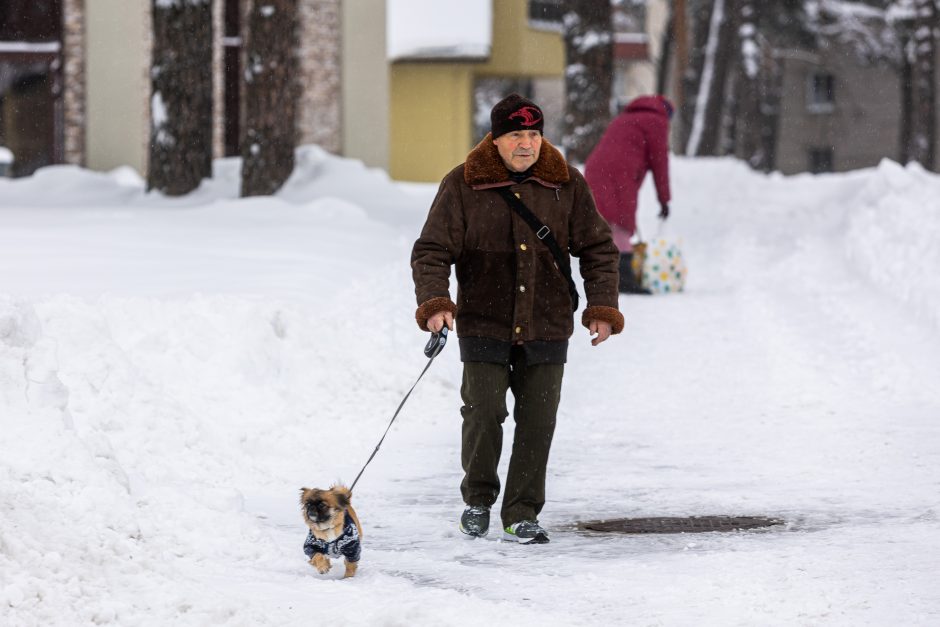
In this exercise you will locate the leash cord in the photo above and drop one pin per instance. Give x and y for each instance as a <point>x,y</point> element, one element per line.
<point>402,404</point>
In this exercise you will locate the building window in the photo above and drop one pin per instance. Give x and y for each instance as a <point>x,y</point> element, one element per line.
<point>546,14</point>
<point>821,159</point>
<point>821,96</point>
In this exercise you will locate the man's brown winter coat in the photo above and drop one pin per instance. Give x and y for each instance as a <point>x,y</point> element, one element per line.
<point>508,287</point>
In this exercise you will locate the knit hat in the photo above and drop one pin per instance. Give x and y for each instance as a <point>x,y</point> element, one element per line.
<point>515,113</point>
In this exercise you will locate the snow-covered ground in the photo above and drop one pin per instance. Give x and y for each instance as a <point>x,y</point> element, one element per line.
<point>173,371</point>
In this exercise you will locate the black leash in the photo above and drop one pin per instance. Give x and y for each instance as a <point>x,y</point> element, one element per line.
<point>433,348</point>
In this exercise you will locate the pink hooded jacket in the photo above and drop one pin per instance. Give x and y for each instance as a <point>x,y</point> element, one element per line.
<point>637,140</point>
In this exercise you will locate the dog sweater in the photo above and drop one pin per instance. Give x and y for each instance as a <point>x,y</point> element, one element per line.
<point>346,545</point>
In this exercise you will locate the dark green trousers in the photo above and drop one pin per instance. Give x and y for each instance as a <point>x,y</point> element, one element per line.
<point>537,390</point>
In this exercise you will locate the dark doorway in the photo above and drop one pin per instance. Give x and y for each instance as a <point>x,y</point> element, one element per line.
<point>821,159</point>
<point>30,83</point>
<point>31,20</point>
<point>29,123</point>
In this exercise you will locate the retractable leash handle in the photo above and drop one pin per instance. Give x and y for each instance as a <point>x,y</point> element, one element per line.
<point>431,350</point>
<point>436,344</point>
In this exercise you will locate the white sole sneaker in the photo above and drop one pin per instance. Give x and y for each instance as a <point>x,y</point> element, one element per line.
<point>539,538</point>
<point>471,535</point>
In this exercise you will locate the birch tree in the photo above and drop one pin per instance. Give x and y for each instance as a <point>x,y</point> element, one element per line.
<point>588,75</point>
<point>270,97</point>
<point>181,96</point>
<point>705,83</point>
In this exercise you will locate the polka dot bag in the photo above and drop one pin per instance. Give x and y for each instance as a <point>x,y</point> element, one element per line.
<point>663,270</point>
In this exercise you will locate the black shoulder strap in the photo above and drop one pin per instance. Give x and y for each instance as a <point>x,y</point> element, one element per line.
<point>562,259</point>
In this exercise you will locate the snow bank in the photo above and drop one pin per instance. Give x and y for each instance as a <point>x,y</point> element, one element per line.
<point>134,427</point>
<point>894,232</point>
<point>882,222</point>
<point>317,175</point>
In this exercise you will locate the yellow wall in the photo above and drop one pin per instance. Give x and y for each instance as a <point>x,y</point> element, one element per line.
<point>430,113</point>
<point>519,49</point>
<point>431,102</point>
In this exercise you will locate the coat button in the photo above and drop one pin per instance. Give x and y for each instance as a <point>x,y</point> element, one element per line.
<point>518,330</point>
<point>522,288</point>
<point>522,246</point>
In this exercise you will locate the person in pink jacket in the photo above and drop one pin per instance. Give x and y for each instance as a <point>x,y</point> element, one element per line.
<point>636,141</point>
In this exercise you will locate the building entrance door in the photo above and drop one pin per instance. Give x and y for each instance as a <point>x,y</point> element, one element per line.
<point>30,83</point>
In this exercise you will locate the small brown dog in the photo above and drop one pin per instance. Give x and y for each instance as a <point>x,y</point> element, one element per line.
<point>334,528</point>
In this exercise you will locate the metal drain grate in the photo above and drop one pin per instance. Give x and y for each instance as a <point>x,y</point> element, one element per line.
<point>692,524</point>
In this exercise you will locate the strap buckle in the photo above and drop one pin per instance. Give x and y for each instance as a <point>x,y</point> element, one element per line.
<point>543,232</point>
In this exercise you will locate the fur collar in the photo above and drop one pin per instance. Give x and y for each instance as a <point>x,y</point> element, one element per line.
<point>485,168</point>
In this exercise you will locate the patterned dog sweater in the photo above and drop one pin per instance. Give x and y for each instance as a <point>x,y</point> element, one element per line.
<point>346,545</point>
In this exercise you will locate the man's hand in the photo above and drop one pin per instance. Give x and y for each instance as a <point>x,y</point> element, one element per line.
<point>663,210</point>
<point>600,330</point>
<point>436,322</point>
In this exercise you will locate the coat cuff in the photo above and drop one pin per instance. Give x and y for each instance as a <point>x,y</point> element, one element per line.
<point>432,306</point>
<point>605,314</point>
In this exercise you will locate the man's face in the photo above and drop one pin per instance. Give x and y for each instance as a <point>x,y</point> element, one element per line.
<point>519,149</point>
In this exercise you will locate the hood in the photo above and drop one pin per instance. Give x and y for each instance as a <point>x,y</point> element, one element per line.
<point>653,104</point>
<point>485,168</point>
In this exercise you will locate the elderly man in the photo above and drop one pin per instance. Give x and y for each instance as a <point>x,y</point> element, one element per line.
<point>515,299</point>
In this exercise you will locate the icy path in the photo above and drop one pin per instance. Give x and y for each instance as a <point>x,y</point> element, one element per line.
<point>153,445</point>
<point>791,390</point>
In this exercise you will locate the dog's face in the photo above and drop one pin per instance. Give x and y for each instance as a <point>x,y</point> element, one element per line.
<point>324,509</point>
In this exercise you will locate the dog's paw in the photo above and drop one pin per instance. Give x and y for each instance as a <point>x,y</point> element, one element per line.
<point>321,563</point>
<point>350,569</point>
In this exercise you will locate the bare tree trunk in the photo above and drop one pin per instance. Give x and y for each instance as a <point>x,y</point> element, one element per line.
<point>705,134</point>
<point>906,75</point>
<point>691,76</point>
<point>749,121</point>
<point>664,62</point>
<point>923,82</point>
<point>757,112</point>
<point>588,75</point>
<point>728,130</point>
<point>181,96</point>
<point>270,97</point>
<point>771,91</point>
<point>680,31</point>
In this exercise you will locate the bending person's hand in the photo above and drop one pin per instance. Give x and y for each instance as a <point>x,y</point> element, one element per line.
<point>436,322</point>
<point>663,210</point>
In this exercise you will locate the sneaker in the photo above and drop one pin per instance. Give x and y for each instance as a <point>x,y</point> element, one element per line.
<point>526,532</point>
<point>475,521</point>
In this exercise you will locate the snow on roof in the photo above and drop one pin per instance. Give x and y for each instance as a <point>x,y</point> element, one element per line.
<point>439,29</point>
